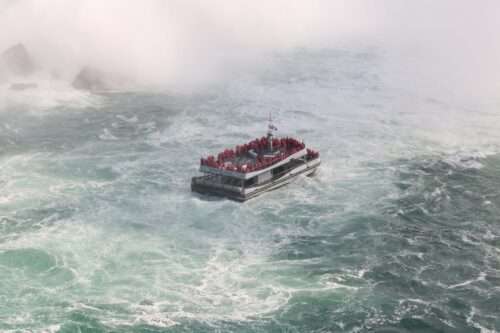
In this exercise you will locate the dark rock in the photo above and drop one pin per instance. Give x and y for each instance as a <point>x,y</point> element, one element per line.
<point>91,79</point>
<point>18,61</point>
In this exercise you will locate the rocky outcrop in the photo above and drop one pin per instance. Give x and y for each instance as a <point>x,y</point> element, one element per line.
<point>17,60</point>
<point>91,79</point>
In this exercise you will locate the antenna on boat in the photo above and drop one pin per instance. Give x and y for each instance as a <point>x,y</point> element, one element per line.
<point>270,129</point>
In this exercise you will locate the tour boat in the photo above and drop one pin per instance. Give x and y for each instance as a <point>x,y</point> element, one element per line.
<point>261,165</point>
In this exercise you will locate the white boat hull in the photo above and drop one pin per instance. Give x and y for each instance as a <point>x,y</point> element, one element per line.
<point>243,194</point>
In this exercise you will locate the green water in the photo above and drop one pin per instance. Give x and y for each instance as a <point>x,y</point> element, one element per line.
<point>398,232</point>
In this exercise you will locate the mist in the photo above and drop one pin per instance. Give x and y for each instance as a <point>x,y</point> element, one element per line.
<point>172,43</point>
<point>443,47</point>
<point>449,46</point>
<point>396,232</point>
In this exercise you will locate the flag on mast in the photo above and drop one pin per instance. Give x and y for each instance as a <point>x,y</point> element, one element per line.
<point>271,126</point>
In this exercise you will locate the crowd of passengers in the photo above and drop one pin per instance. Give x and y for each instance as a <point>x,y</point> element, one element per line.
<point>259,147</point>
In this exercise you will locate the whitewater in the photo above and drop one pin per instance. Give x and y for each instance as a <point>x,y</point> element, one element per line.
<point>397,232</point>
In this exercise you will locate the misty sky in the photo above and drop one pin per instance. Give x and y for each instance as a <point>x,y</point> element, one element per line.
<point>449,45</point>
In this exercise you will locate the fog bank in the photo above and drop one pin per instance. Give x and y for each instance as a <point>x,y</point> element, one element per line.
<point>169,43</point>
<point>426,45</point>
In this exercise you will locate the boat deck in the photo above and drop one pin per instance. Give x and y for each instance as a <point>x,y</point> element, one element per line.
<point>255,155</point>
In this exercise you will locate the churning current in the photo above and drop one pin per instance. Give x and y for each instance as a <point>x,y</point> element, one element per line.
<point>399,230</point>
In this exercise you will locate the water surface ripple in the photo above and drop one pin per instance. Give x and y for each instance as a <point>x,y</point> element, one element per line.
<point>398,232</point>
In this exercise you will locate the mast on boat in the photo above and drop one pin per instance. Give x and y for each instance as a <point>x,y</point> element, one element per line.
<point>270,129</point>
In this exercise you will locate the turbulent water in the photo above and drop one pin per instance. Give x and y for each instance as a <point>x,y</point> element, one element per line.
<point>398,232</point>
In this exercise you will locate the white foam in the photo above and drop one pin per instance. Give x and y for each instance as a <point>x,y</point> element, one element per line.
<point>481,277</point>
<point>107,136</point>
<point>332,282</point>
<point>48,95</point>
<point>51,329</point>
<point>415,300</point>
<point>470,321</point>
<point>131,120</point>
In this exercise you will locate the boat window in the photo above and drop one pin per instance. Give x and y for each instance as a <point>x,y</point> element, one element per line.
<point>250,182</point>
<point>286,167</point>
<point>230,181</point>
<point>279,170</point>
